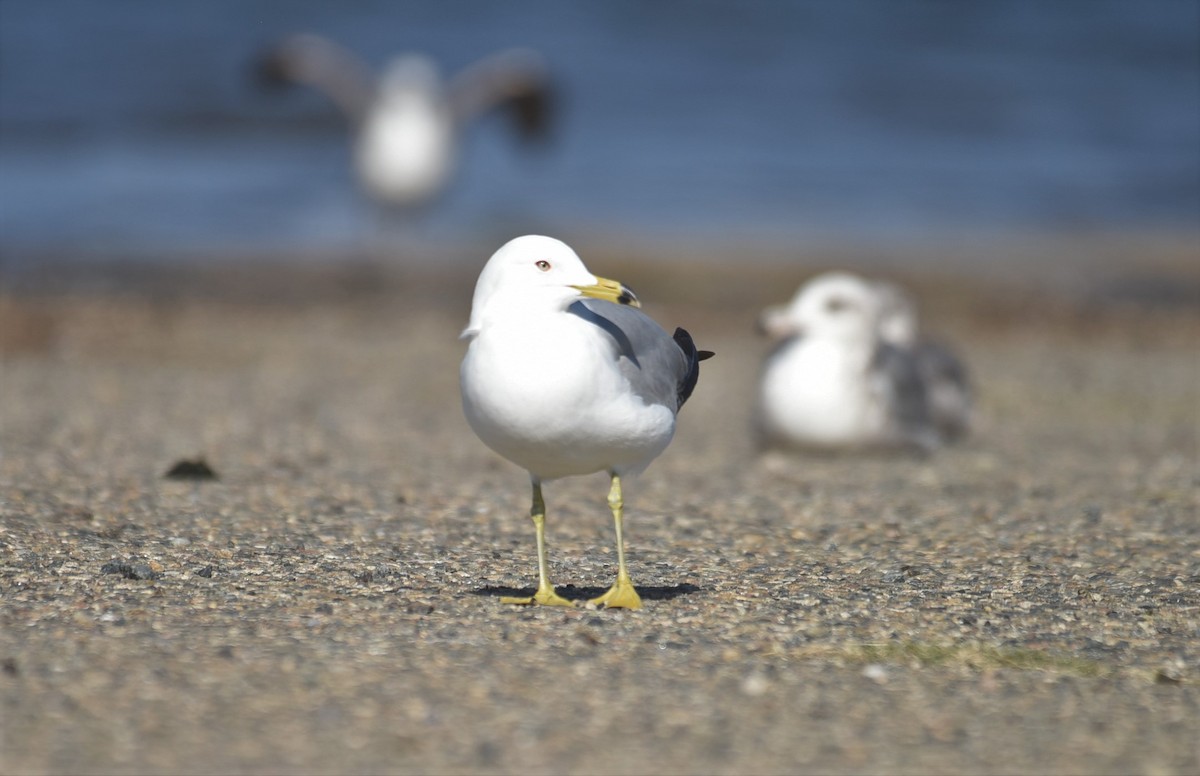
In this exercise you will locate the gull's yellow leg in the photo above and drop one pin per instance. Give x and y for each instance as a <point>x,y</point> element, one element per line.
<point>621,594</point>
<point>545,594</point>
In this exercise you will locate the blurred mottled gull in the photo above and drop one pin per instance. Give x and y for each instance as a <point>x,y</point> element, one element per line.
<point>407,121</point>
<point>850,370</point>
<point>564,375</point>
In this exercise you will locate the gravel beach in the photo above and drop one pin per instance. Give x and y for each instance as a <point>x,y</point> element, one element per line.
<point>1025,602</point>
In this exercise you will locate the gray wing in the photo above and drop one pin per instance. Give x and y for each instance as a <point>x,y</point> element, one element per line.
<point>516,81</point>
<point>650,359</point>
<point>898,376</point>
<point>325,66</point>
<point>948,385</point>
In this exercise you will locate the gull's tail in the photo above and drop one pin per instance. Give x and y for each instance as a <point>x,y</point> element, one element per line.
<point>694,357</point>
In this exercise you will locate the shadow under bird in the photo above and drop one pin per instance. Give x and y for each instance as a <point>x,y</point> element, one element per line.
<point>850,370</point>
<point>408,119</point>
<point>564,375</point>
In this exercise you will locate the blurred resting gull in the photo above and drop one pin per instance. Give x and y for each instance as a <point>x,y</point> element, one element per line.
<point>849,370</point>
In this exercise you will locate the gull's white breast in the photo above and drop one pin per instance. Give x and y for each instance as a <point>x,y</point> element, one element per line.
<point>544,391</point>
<point>405,148</point>
<point>817,393</point>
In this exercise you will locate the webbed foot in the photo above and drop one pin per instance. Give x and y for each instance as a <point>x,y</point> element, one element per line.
<point>621,595</point>
<point>545,596</point>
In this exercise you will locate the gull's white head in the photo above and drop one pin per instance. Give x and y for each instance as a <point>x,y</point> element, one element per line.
<point>897,314</point>
<point>410,73</point>
<point>536,273</point>
<point>834,305</point>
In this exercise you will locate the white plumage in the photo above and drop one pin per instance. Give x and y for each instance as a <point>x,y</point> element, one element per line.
<point>849,370</point>
<point>563,375</point>
<point>542,385</point>
<point>407,121</point>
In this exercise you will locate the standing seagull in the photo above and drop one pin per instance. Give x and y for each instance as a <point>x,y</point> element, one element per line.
<point>408,120</point>
<point>844,374</point>
<point>564,375</point>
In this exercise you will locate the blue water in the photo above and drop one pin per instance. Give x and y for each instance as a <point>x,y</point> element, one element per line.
<point>135,126</point>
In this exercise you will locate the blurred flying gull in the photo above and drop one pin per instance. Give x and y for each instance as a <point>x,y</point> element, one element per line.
<point>407,121</point>
<point>850,370</point>
<point>564,375</point>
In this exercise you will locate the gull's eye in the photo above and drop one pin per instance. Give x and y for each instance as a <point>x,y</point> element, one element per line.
<point>836,304</point>
<point>543,265</point>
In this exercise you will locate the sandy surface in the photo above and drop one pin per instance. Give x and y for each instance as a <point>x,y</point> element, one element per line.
<point>1026,602</point>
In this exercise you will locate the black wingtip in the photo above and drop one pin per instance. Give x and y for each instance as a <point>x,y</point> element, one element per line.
<point>269,68</point>
<point>534,112</point>
<point>684,341</point>
<point>269,72</point>
<point>694,357</point>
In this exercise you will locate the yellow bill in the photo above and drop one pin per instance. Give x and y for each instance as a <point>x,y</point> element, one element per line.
<point>611,291</point>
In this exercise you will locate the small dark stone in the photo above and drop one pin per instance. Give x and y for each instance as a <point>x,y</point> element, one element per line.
<point>225,652</point>
<point>141,571</point>
<point>205,572</point>
<point>366,577</point>
<point>129,570</point>
<point>9,666</point>
<point>191,469</point>
<point>324,609</point>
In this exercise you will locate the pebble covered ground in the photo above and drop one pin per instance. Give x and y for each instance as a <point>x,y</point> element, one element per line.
<point>328,600</point>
